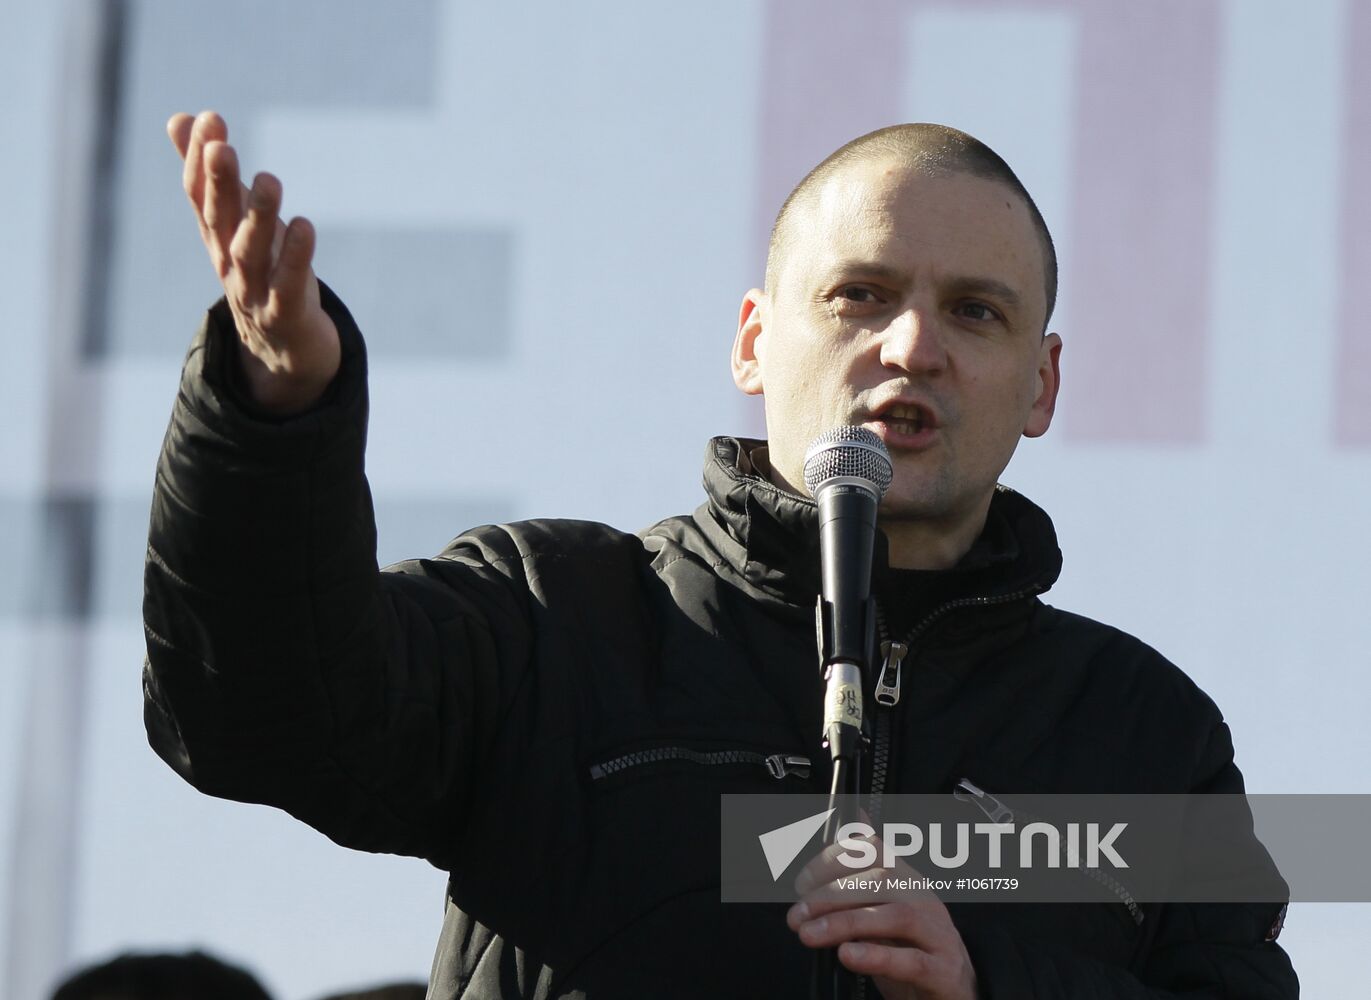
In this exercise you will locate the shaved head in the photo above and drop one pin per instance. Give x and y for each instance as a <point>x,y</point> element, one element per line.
<point>935,150</point>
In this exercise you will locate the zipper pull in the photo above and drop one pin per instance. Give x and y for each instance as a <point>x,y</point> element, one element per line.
<point>995,810</point>
<point>888,684</point>
<point>780,765</point>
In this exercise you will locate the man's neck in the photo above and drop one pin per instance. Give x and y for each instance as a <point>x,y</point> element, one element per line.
<point>924,543</point>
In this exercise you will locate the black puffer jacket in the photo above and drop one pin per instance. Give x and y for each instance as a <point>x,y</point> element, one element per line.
<point>490,709</point>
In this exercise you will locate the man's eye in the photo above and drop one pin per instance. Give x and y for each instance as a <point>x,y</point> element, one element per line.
<point>857,293</point>
<point>977,311</point>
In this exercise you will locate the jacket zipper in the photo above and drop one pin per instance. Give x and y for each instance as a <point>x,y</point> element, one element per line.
<point>997,812</point>
<point>893,655</point>
<point>778,765</point>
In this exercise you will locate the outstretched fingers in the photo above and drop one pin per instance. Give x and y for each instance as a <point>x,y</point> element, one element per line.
<point>209,175</point>
<point>289,345</point>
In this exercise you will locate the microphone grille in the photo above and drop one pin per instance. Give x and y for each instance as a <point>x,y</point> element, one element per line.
<point>848,453</point>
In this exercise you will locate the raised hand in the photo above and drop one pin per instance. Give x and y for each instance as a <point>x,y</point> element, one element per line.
<point>288,345</point>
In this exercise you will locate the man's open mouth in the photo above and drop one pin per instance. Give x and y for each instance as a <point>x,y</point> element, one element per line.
<point>907,418</point>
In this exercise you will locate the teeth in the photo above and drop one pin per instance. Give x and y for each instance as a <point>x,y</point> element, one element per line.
<point>905,419</point>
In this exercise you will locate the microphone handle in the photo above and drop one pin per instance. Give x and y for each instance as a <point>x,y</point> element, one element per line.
<point>847,535</point>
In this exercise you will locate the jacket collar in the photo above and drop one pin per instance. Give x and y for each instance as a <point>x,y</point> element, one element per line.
<point>772,535</point>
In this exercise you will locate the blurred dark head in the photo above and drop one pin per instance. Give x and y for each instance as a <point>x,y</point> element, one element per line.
<point>190,976</point>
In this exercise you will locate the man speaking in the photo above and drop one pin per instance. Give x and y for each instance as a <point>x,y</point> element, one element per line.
<point>550,710</point>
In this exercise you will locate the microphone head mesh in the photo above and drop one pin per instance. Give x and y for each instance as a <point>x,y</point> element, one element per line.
<point>848,453</point>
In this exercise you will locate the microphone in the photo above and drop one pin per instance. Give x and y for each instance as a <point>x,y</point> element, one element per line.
<point>847,471</point>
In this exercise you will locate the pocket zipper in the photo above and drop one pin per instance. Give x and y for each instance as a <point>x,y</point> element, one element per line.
<point>997,812</point>
<point>778,765</point>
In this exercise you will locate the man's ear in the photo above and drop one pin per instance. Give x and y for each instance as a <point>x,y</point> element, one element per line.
<point>747,369</point>
<point>1049,381</point>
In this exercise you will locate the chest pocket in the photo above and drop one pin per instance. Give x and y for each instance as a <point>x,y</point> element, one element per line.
<point>654,813</point>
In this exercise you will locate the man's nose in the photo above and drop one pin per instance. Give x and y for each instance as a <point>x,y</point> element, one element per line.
<point>914,342</point>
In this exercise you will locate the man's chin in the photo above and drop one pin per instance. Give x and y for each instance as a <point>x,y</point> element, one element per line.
<point>895,508</point>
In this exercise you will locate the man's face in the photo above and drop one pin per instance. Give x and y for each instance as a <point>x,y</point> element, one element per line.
<point>912,305</point>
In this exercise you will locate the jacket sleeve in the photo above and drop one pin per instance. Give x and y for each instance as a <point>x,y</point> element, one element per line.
<point>1209,950</point>
<point>282,667</point>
